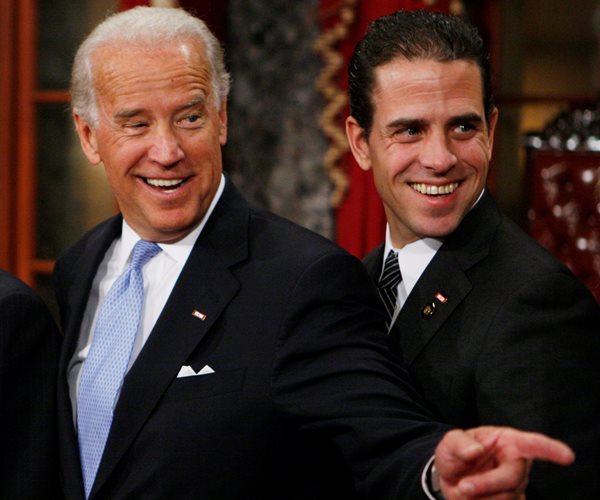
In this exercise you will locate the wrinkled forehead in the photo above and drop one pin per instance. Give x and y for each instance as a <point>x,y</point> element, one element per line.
<point>149,77</point>
<point>115,59</point>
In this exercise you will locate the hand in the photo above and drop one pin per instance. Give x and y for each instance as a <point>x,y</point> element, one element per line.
<point>493,462</point>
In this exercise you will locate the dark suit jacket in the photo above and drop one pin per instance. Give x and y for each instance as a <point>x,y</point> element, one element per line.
<point>304,402</point>
<point>517,343</point>
<point>28,363</point>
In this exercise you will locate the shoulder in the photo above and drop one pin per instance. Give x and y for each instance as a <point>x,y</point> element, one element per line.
<point>285,235</point>
<point>294,254</point>
<point>374,258</point>
<point>98,235</point>
<point>241,228</point>
<point>22,311</point>
<point>12,287</point>
<point>512,245</point>
<point>503,264</point>
<point>518,274</point>
<point>91,246</point>
<point>500,246</point>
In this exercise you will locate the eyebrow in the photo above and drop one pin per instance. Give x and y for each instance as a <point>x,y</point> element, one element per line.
<point>405,123</point>
<point>201,99</point>
<point>130,113</point>
<point>127,113</point>
<point>468,118</point>
<point>420,123</point>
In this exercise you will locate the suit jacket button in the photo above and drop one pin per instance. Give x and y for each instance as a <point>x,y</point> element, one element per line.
<point>428,310</point>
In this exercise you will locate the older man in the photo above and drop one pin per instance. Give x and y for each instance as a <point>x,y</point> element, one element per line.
<point>216,351</point>
<point>493,329</point>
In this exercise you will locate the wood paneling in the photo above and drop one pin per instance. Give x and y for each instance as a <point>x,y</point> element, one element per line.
<point>7,89</point>
<point>26,141</point>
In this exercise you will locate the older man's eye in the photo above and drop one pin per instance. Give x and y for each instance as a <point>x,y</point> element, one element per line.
<point>134,127</point>
<point>191,120</point>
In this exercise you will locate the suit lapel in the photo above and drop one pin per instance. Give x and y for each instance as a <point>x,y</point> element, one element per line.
<point>84,270</point>
<point>374,263</point>
<point>414,329</point>
<point>445,283</point>
<point>207,285</point>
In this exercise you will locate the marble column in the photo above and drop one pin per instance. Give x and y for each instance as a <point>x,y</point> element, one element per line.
<point>275,148</point>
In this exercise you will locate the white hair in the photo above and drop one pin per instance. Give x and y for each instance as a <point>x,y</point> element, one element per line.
<point>147,25</point>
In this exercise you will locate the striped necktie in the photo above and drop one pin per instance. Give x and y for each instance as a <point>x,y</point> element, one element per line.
<point>388,284</point>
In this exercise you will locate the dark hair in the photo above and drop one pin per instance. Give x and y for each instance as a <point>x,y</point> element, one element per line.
<point>413,35</point>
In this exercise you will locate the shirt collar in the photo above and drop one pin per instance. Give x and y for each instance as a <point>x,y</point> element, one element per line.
<point>178,251</point>
<point>432,242</point>
<point>415,257</point>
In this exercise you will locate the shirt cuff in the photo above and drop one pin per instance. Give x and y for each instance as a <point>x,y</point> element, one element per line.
<point>426,479</point>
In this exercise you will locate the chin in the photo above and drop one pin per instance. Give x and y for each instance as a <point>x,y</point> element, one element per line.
<point>439,229</point>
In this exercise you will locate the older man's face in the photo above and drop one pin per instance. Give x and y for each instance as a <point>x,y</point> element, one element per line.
<point>159,135</point>
<point>429,147</point>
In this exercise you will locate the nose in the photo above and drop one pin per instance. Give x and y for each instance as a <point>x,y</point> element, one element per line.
<point>437,154</point>
<point>165,148</point>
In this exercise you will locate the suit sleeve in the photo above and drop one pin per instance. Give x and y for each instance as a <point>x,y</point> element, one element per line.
<point>28,364</point>
<point>545,347</point>
<point>334,377</point>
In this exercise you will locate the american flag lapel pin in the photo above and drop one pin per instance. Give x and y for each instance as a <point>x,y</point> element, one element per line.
<point>198,314</point>
<point>429,309</point>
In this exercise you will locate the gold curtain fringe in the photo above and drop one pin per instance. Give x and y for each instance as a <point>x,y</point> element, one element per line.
<point>336,99</point>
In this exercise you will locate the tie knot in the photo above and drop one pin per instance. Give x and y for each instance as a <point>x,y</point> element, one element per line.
<point>143,251</point>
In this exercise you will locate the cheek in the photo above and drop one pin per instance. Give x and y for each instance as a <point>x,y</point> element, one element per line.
<point>199,144</point>
<point>475,154</point>
<point>396,161</point>
<point>119,157</point>
<point>484,146</point>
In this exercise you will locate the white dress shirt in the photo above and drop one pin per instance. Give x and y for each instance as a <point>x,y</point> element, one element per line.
<point>413,259</point>
<point>160,275</point>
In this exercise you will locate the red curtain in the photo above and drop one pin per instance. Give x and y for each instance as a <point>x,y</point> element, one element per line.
<point>360,219</point>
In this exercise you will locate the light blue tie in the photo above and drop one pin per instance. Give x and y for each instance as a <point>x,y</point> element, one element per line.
<point>104,369</point>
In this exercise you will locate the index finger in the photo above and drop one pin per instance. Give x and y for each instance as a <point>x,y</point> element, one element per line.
<point>513,444</point>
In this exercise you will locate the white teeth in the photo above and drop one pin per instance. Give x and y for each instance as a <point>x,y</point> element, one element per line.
<point>434,190</point>
<point>164,182</point>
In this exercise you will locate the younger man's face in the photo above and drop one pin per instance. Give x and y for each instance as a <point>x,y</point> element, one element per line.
<point>429,146</point>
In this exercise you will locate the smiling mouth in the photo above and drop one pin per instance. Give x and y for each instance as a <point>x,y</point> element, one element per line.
<point>167,185</point>
<point>431,190</point>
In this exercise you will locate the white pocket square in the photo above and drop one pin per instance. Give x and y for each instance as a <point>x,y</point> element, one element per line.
<point>188,371</point>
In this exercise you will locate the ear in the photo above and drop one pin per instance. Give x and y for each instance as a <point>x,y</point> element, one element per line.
<point>88,140</point>
<point>223,124</point>
<point>359,144</point>
<point>492,130</point>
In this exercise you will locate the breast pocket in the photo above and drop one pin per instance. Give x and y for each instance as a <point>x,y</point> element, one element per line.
<point>204,386</point>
